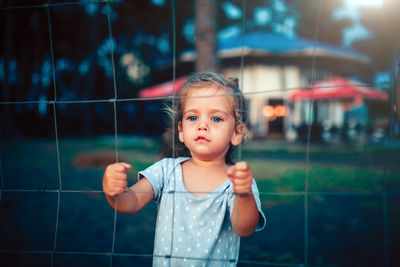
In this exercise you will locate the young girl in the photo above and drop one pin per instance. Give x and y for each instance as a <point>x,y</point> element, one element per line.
<point>205,203</point>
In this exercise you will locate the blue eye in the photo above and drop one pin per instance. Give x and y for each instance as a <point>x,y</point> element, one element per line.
<point>216,119</point>
<point>192,118</point>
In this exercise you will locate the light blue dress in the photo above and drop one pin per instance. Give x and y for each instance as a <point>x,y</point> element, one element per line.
<point>193,230</point>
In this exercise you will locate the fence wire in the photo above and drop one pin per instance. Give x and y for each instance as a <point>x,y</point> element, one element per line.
<point>112,253</point>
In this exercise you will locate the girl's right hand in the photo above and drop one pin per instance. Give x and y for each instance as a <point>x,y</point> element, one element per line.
<point>115,178</point>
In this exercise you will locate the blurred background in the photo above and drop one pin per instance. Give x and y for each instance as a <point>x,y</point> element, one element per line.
<point>84,83</point>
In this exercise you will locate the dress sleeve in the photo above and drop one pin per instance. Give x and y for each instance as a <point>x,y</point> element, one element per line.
<point>155,174</point>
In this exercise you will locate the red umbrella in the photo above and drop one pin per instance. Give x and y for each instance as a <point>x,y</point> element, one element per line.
<point>337,88</point>
<point>163,89</point>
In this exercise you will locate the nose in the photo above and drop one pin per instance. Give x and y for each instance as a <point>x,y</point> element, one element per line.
<point>202,125</point>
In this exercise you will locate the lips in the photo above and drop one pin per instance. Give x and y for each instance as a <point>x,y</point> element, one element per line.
<point>202,139</point>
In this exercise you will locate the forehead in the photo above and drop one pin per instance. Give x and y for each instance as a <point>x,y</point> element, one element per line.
<point>208,97</point>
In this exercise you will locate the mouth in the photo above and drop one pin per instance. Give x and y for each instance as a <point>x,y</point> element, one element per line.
<point>202,139</point>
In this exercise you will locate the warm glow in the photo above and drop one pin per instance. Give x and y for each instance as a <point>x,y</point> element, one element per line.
<point>273,112</point>
<point>268,111</point>
<point>280,111</point>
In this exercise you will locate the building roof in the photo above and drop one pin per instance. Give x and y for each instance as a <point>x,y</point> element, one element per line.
<point>164,89</point>
<point>265,43</point>
<point>337,88</point>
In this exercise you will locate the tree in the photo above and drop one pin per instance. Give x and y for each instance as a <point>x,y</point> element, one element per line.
<point>384,45</point>
<point>206,35</point>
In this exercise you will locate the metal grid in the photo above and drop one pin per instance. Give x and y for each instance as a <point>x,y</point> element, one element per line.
<point>383,194</point>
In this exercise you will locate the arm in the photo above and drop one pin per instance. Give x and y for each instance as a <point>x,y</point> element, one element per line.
<point>245,212</point>
<point>126,201</point>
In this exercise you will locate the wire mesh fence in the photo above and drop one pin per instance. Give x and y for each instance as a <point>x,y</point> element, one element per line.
<point>295,235</point>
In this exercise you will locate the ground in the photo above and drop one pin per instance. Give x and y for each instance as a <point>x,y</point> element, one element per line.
<point>351,216</point>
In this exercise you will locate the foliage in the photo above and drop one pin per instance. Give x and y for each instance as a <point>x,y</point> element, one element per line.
<point>73,51</point>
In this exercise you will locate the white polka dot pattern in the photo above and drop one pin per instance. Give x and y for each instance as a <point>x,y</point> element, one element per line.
<point>198,231</point>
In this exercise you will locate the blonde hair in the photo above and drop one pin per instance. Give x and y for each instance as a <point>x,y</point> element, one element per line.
<point>174,111</point>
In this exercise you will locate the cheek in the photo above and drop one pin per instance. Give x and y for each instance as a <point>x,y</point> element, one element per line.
<point>180,135</point>
<point>185,126</point>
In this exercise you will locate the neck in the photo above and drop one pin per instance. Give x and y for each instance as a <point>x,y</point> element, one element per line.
<point>209,163</point>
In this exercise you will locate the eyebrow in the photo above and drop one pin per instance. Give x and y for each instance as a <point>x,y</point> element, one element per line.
<point>211,111</point>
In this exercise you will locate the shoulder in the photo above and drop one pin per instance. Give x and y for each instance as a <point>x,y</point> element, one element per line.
<point>164,166</point>
<point>170,163</point>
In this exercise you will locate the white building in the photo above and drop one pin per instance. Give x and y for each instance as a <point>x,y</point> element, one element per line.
<point>274,67</point>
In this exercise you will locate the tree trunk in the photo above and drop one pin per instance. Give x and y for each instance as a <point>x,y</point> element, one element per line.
<point>206,35</point>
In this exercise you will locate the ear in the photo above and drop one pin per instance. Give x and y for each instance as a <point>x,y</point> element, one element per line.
<point>180,131</point>
<point>238,134</point>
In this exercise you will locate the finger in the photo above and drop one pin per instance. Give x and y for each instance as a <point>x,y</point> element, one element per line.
<point>126,165</point>
<point>241,166</point>
<point>231,171</point>
<point>120,183</point>
<point>240,189</point>
<point>113,175</point>
<point>239,182</point>
<point>112,191</point>
<point>243,175</point>
<point>119,176</point>
<point>244,180</point>
<point>117,190</point>
<point>242,185</point>
<point>122,167</point>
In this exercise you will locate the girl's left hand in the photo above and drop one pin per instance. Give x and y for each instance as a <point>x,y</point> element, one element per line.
<point>241,177</point>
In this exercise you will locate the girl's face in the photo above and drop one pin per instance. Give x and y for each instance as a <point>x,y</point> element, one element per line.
<point>208,126</point>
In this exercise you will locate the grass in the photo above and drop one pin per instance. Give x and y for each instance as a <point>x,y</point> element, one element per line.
<point>278,167</point>
<point>348,222</point>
